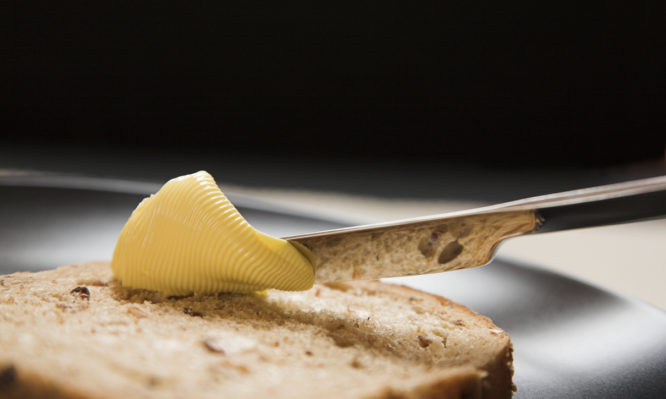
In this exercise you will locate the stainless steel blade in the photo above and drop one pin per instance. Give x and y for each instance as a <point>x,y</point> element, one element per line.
<point>416,247</point>
<point>469,238</point>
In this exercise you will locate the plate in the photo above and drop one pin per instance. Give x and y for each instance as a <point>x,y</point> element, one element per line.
<point>570,339</point>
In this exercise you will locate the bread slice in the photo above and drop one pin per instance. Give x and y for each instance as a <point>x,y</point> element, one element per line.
<point>74,332</point>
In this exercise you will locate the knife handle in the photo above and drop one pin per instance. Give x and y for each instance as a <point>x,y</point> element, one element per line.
<point>598,206</point>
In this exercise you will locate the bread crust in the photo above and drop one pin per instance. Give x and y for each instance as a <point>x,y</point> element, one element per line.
<point>67,333</point>
<point>496,382</point>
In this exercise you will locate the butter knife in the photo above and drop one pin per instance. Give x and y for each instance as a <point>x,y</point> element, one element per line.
<point>469,238</point>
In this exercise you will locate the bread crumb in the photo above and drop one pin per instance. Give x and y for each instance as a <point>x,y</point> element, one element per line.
<point>192,313</point>
<point>63,307</point>
<point>214,346</point>
<point>136,312</point>
<point>240,367</point>
<point>423,341</point>
<point>81,292</point>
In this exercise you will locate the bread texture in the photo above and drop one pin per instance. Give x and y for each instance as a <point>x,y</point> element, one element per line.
<point>74,332</point>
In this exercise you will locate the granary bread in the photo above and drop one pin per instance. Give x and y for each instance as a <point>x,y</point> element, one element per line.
<point>74,332</point>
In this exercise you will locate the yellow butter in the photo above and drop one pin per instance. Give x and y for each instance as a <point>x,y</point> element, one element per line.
<point>188,238</point>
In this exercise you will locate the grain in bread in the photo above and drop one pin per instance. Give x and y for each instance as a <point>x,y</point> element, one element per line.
<point>74,332</point>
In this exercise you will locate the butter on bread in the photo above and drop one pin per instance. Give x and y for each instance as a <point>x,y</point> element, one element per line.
<point>74,332</point>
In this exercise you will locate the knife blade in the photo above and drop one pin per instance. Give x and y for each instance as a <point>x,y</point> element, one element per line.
<point>469,238</point>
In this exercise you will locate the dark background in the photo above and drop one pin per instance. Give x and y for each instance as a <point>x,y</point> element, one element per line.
<point>492,83</point>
